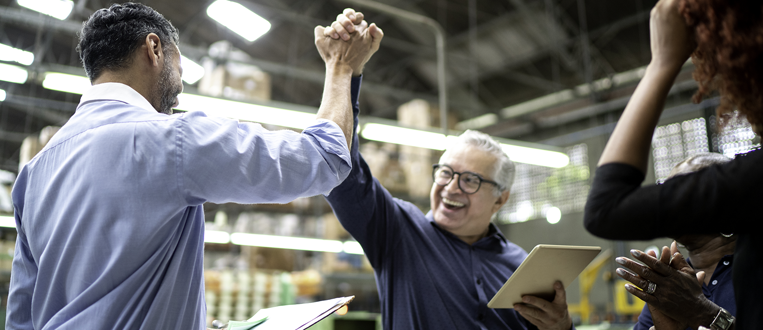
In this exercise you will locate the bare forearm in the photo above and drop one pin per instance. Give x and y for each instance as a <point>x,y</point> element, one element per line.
<point>631,139</point>
<point>336,104</point>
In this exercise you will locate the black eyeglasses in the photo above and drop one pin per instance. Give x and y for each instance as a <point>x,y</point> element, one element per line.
<point>468,182</point>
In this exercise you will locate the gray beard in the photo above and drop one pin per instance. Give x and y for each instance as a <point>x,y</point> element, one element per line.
<point>167,90</point>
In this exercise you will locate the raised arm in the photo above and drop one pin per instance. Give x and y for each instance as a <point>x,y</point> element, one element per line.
<point>344,59</point>
<point>671,46</point>
<point>361,203</point>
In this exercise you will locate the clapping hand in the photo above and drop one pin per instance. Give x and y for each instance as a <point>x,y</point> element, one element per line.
<point>670,287</point>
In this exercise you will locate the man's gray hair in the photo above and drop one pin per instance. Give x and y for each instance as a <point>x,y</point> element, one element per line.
<point>504,168</point>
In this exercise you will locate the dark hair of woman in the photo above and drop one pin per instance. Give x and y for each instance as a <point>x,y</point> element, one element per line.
<point>729,54</point>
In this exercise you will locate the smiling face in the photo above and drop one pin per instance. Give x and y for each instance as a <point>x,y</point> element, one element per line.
<point>466,215</point>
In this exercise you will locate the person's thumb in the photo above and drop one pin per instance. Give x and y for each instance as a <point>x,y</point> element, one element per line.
<point>319,32</point>
<point>701,277</point>
<point>375,32</point>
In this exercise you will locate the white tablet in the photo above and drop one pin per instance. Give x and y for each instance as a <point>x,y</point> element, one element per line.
<point>544,265</point>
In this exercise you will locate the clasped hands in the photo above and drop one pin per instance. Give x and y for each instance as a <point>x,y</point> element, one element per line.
<point>348,42</point>
<point>676,300</point>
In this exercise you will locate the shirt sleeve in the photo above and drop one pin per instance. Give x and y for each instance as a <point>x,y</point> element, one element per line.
<point>364,208</point>
<point>719,198</point>
<point>23,278</point>
<point>644,319</point>
<point>222,160</point>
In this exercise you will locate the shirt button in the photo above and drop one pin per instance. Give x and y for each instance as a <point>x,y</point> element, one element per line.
<point>726,263</point>
<point>715,282</point>
<point>479,281</point>
<point>481,317</point>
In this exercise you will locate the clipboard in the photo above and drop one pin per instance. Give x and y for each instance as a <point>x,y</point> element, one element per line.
<point>296,317</point>
<point>544,265</point>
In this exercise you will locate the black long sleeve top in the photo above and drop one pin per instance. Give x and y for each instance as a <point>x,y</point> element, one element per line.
<point>722,198</point>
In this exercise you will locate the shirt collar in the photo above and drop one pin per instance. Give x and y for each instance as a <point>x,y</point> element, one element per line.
<point>115,92</point>
<point>492,230</point>
<point>723,263</point>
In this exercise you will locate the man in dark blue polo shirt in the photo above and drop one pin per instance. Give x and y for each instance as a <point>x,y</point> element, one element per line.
<point>439,270</point>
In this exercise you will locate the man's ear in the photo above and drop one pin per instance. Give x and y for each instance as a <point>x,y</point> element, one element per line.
<point>153,49</point>
<point>501,200</point>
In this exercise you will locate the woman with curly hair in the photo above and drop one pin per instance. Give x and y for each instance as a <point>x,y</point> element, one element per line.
<point>725,40</point>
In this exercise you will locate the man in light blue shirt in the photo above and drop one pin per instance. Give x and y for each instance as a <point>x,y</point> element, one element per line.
<point>109,214</point>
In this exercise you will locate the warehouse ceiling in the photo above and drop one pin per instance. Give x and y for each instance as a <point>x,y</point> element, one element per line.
<point>499,53</point>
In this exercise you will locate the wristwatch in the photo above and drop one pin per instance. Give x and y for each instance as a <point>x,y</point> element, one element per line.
<point>722,321</point>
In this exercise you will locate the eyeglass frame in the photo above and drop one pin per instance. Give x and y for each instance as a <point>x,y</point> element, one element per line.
<point>435,167</point>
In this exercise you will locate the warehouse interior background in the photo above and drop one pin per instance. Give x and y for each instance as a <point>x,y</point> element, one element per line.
<point>551,74</point>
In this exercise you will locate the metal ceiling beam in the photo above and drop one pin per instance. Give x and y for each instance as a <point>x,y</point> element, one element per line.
<point>506,66</point>
<point>23,17</point>
<point>53,112</point>
<point>42,21</point>
<point>439,34</point>
<point>12,136</point>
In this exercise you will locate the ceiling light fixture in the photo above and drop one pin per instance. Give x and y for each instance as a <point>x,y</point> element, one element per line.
<point>7,221</point>
<point>11,54</point>
<point>67,83</point>
<point>352,247</point>
<point>192,71</point>
<point>436,141</point>
<point>216,237</point>
<point>269,241</point>
<point>300,120</point>
<point>2,95</point>
<point>246,111</point>
<point>238,19</point>
<point>404,136</point>
<point>295,243</point>
<point>59,9</point>
<point>534,156</point>
<point>12,73</point>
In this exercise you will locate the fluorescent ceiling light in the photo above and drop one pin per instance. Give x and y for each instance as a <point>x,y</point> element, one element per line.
<point>352,247</point>
<point>67,83</point>
<point>216,236</point>
<point>59,9</point>
<point>246,111</point>
<point>287,242</point>
<point>435,141</point>
<point>12,73</point>
<point>269,241</point>
<point>2,95</point>
<point>295,243</point>
<point>404,136</point>
<point>11,54</point>
<point>192,71</point>
<point>300,120</point>
<point>535,156</point>
<point>7,221</point>
<point>189,102</point>
<point>238,19</point>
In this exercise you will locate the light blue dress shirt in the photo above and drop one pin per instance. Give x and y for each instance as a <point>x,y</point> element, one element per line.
<point>109,214</point>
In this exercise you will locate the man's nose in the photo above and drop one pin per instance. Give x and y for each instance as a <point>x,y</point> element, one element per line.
<point>452,186</point>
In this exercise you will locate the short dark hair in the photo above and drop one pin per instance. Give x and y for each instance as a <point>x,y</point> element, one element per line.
<point>110,36</point>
